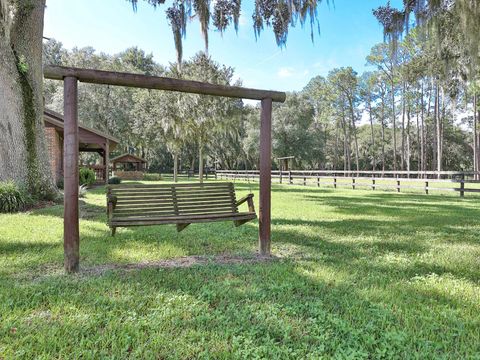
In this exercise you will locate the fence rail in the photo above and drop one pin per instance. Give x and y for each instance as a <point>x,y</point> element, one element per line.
<point>461,182</point>
<point>189,174</point>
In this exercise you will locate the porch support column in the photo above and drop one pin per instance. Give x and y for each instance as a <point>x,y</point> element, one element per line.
<point>71,238</point>
<point>265,176</point>
<point>106,161</point>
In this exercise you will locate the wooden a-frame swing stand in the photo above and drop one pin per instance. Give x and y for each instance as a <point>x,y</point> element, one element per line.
<point>71,77</point>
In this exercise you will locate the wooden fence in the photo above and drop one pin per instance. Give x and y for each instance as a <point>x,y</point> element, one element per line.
<point>189,174</point>
<point>461,182</point>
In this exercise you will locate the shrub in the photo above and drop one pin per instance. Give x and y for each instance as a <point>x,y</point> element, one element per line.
<point>152,177</point>
<point>60,183</point>
<point>87,176</point>
<point>12,198</point>
<point>114,180</point>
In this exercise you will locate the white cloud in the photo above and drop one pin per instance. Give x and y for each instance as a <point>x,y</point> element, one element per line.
<point>242,20</point>
<point>285,72</point>
<point>288,72</point>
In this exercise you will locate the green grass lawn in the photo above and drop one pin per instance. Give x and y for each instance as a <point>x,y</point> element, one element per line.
<point>356,274</point>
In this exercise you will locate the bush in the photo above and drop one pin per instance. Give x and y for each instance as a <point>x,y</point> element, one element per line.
<point>87,176</point>
<point>152,177</point>
<point>12,198</point>
<point>60,183</point>
<point>114,180</point>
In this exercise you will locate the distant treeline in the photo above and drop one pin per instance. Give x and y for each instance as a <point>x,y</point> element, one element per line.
<point>413,112</point>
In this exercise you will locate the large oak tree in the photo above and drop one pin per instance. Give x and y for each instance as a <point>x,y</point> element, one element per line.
<point>23,156</point>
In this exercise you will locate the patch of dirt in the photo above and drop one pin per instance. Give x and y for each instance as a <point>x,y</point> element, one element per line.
<point>181,262</point>
<point>56,270</point>
<point>39,205</point>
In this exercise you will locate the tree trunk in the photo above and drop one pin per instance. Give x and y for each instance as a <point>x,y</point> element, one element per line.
<point>407,150</point>
<point>478,139</point>
<point>192,165</point>
<point>394,126</point>
<point>346,144</point>
<point>402,154</point>
<point>175,167</point>
<point>475,140</point>
<point>383,135</point>
<point>439,130</point>
<point>23,154</point>
<point>200,163</point>
<point>354,128</point>
<point>422,143</point>
<point>434,129</point>
<point>419,155</point>
<point>374,164</point>
<point>335,157</point>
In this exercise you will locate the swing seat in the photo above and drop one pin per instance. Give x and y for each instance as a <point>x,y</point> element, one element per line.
<point>180,204</point>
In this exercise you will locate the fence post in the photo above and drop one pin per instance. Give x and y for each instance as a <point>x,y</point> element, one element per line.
<point>318,180</point>
<point>290,181</point>
<point>334,182</point>
<point>462,185</point>
<point>398,185</point>
<point>215,174</point>
<point>426,187</point>
<point>206,174</point>
<point>353,183</point>
<point>304,181</point>
<point>281,174</point>
<point>373,183</point>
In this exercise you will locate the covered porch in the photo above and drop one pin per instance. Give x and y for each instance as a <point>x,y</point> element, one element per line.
<point>129,167</point>
<point>90,140</point>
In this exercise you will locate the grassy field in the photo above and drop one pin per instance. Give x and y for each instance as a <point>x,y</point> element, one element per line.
<point>355,274</point>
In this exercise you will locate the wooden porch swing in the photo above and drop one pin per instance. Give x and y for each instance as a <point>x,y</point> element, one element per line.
<point>180,204</point>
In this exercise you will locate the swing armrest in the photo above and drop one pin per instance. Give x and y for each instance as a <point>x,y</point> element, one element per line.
<point>249,199</point>
<point>111,204</point>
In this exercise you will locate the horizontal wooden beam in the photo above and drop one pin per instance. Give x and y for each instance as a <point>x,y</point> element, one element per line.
<point>159,83</point>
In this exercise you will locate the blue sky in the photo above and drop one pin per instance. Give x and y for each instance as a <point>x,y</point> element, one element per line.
<point>348,31</point>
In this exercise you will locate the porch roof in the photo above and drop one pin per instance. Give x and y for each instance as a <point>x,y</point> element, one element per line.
<point>89,139</point>
<point>128,158</point>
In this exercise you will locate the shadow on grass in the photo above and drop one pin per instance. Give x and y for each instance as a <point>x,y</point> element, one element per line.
<point>336,306</point>
<point>344,287</point>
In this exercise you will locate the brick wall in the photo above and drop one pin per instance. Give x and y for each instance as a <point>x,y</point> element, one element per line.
<point>54,147</point>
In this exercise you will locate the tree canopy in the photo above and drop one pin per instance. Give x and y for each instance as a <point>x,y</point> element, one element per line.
<point>279,15</point>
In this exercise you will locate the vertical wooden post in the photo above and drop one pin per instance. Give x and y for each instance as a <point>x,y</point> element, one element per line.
<point>106,160</point>
<point>71,237</point>
<point>353,183</point>
<point>398,185</point>
<point>290,180</point>
<point>373,183</point>
<point>318,180</point>
<point>304,181</point>
<point>334,182</point>
<point>462,188</point>
<point>426,187</point>
<point>264,216</point>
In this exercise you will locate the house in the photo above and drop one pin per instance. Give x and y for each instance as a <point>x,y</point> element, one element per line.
<point>90,140</point>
